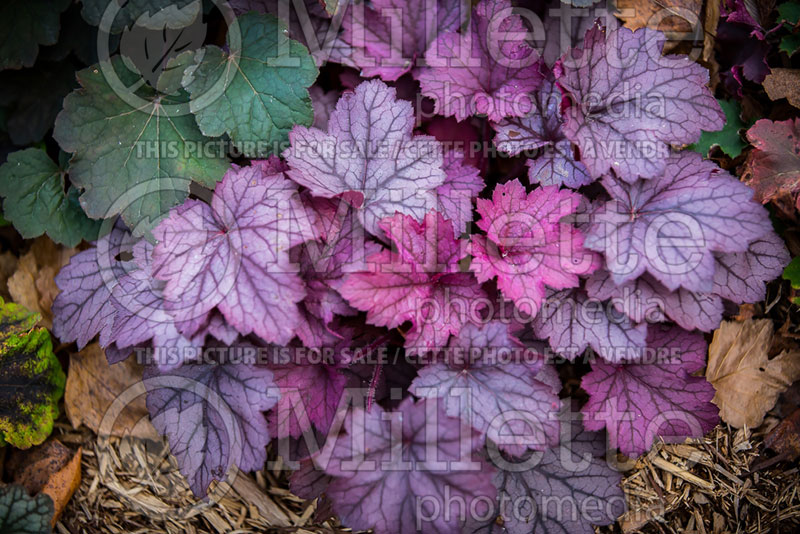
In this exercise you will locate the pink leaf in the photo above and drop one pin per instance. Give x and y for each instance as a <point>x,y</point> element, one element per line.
<point>418,282</point>
<point>526,246</point>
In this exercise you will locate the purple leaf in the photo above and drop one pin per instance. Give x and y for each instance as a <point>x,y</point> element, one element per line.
<point>741,276</point>
<point>670,225</point>
<point>351,159</point>
<point>459,137</point>
<point>639,402</point>
<point>542,128</point>
<point>219,328</point>
<point>212,415</point>
<point>571,321</point>
<point>742,55</point>
<point>310,392</point>
<point>462,184</point>
<point>84,308</point>
<point>141,314</point>
<point>526,246</point>
<point>341,248</point>
<point>323,103</point>
<point>271,165</point>
<point>647,300</point>
<point>474,73</point>
<point>420,282</point>
<point>484,378</point>
<point>626,103</point>
<point>393,471</point>
<point>565,491</point>
<point>390,35</point>
<point>453,299</point>
<point>116,354</point>
<point>308,482</point>
<point>313,331</point>
<point>233,255</point>
<point>747,13</point>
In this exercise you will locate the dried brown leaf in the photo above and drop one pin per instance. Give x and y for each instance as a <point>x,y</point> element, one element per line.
<point>747,381</point>
<point>785,438</point>
<point>32,468</point>
<point>784,83</point>
<point>32,285</point>
<point>63,484</point>
<point>664,15</point>
<point>772,168</point>
<point>8,265</point>
<point>50,468</point>
<point>92,387</point>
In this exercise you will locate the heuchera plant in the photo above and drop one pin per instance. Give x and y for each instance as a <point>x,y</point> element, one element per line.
<point>386,313</point>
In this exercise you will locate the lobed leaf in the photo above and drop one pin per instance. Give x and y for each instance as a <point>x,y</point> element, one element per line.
<point>36,202</point>
<point>659,398</point>
<point>134,161</point>
<point>266,79</point>
<point>626,103</point>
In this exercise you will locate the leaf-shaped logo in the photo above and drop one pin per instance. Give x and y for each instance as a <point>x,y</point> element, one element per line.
<point>155,39</point>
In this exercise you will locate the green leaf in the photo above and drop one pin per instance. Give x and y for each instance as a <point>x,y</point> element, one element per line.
<point>33,98</point>
<point>31,379</point>
<point>728,139</point>
<point>22,514</point>
<point>789,12</point>
<point>266,91</point>
<point>125,13</point>
<point>24,25</point>
<point>36,203</point>
<point>790,43</point>
<point>133,157</point>
<point>792,273</point>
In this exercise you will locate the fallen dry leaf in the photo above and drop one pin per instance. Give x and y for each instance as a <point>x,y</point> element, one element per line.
<point>710,21</point>
<point>678,19</point>
<point>33,283</point>
<point>31,468</point>
<point>8,265</point>
<point>63,484</point>
<point>92,386</point>
<point>22,285</point>
<point>747,381</point>
<point>785,438</point>
<point>784,83</point>
<point>664,15</point>
<point>50,468</point>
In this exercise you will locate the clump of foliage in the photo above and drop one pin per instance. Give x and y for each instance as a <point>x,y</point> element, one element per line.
<point>264,284</point>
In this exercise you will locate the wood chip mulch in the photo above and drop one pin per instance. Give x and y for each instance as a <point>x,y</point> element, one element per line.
<point>715,485</point>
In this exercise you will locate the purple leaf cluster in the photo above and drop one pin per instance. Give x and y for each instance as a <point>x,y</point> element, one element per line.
<point>376,288</point>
